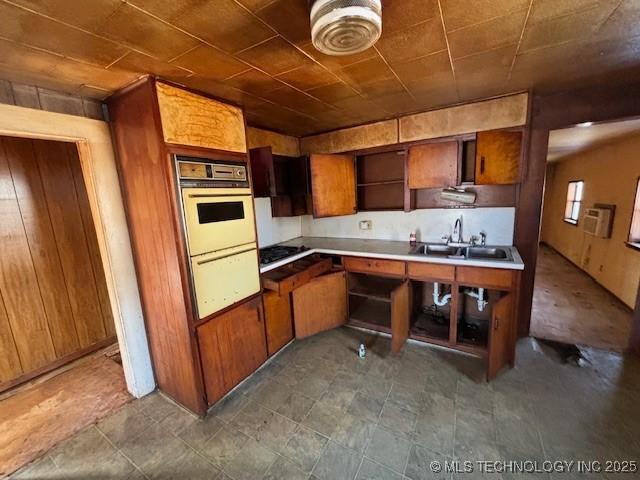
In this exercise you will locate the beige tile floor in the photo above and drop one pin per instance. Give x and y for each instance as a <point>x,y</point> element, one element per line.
<point>570,307</point>
<point>317,411</point>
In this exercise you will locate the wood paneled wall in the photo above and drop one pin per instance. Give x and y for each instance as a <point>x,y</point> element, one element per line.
<point>53,295</point>
<point>280,144</point>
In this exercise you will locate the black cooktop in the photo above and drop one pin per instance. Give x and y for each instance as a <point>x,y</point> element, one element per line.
<point>278,252</point>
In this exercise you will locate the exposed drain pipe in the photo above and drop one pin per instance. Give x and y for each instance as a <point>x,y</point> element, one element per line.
<point>441,302</point>
<point>480,296</point>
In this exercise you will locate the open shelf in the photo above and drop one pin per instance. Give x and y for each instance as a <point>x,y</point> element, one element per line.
<point>386,182</point>
<point>430,322</point>
<point>377,288</point>
<point>380,181</point>
<point>472,323</point>
<point>370,313</point>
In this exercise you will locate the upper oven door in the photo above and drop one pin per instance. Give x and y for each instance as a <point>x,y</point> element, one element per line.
<point>217,218</point>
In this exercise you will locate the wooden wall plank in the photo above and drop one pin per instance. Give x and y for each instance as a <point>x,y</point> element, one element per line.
<point>42,244</point>
<point>354,138</point>
<point>285,145</point>
<point>18,282</point>
<point>9,360</point>
<point>66,219</point>
<point>92,239</point>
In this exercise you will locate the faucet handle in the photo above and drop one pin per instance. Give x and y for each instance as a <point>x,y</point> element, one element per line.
<point>483,238</point>
<point>474,240</point>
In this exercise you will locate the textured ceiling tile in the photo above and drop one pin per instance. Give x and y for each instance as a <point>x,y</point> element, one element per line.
<point>255,5</point>
<point>76,72</point>
<point>401,14</point>
<point>274,56</point>
<point>25,59</point>
<point>141,31</point>
<point>545,9</point>
<point>488,35</point>
<point>428,97</point>
<point>217,89</point>
<point>492,66</point>
<point>308,77</point>
<point>624,22</point>
<point>366,71</point>
<point>210,62</point>
<point>143,64</point>
<point>254,81</point>
<point>298,101</point>
<point>85,14</point>
<point>397,103</point>
<point>38,31</point>
<point>333,92</point>
<point>462,13</point>
<point>225,24</point>
<point>166,9</point>
<point>566,28</point>
<point>435,68</point>
<point>290,18</point>
<point>417,41</point>
<point>382,88</point>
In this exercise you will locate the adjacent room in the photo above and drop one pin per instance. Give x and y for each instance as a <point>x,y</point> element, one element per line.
<point>319,239</point>
<point>588,265</point>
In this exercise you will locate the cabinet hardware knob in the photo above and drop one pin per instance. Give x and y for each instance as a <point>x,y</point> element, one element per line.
<point>482,164</point>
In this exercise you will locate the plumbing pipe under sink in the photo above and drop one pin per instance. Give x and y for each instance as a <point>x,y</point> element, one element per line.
<point>441,302</point>
<point>479,296</point>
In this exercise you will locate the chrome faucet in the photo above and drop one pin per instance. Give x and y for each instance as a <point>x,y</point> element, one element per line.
<point>457,230</point>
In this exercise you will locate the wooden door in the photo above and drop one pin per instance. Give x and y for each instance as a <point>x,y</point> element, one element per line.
<point>55,303</point>
<point>210,335</point>
<point>501,336</point>
<point>400,313</point>
<point>263,176</point>
<point>498,157</point>
<point>320,304</point>
<point>278,322</point>
<point>333,185</point>
<point>433,165</point>
<point>243,344</point>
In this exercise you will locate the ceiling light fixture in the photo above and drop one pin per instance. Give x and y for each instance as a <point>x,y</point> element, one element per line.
<point>345,27</point>
<point>585,124</point>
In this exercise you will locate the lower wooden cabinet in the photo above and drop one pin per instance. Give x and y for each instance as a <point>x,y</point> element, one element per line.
<point>232,346</point>
<point>278,321</point>
<point>320,304</point>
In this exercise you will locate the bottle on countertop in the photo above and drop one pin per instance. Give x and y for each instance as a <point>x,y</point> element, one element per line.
<point>362,352</point>
<point>412,238</point>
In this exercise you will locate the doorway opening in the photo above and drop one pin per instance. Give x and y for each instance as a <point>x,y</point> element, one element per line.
<point>59,369</point>
<point>588,267</point>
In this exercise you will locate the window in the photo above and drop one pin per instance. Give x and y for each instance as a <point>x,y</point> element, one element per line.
<point>634,231</point>
<point>574,201</point>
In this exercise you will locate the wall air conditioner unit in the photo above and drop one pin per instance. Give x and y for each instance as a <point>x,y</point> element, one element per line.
<point>598,222</point>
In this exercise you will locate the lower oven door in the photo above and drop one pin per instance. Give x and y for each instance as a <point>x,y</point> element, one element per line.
<point>225,277</point>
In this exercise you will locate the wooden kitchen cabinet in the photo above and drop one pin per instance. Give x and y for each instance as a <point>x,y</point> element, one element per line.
<point>498,156</point>
<point>333,185</point>
<point>268,173</point>
<point>320,304</point>
<point>278,321</point>
<point>501,348</point>
<point>433,165</point>
<point>232,346</point>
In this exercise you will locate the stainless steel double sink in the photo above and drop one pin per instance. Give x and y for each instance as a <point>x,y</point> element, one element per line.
<point>463,252</point>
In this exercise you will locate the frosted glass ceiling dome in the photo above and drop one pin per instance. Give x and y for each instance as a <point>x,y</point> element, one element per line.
<point>345,27</point>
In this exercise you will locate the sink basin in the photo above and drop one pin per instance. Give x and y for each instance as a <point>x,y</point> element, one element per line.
<point>486,253</point>
<point>437,250</point>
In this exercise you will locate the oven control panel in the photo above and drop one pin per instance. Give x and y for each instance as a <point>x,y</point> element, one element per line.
<point>192,171</point>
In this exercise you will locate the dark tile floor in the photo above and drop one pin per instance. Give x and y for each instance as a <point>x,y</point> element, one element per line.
<point>317,411</point>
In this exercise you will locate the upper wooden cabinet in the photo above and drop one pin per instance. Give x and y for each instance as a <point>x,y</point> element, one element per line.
<point>197,121</point>
<point>498,157</point>
<point>433,165</point>
<point>263,174</point>
<point>333,185</point>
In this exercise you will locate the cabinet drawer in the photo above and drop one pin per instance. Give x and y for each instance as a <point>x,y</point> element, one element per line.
<point>376,266</point>
<point>431,271</point>
<point>485,277</point>
<point>289,277</point>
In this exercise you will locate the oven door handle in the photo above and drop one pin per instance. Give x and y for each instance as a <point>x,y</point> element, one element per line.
<point>213,195</point>
<point>209,260</point>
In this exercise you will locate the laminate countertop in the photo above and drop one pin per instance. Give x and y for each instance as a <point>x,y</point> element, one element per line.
<point>386,249</point>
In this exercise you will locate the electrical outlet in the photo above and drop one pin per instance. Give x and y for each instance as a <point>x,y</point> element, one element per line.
<point>365,225</point>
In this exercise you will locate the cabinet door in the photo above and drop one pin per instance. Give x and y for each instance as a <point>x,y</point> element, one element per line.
<point>263,176</point>
<point>243,345</point>
<point>320,304</point>
<point>277,317</point>
<point>434,165</point>
<point>400,313</point>
<point>333,185</point>
<point>498,157</point>
<point>209,337</point>
<point>501,336</point>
